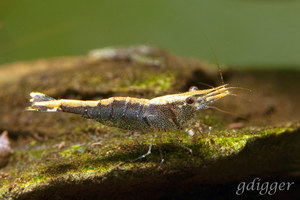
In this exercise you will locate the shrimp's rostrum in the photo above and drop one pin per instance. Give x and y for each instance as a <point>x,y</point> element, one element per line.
<point>161,113</point>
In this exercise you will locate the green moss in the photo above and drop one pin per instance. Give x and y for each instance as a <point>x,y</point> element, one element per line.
<point>218,146</point>
<point>74,149</point>
<point>32,143</point>
<point>83,161</point>
<point>161,82</point>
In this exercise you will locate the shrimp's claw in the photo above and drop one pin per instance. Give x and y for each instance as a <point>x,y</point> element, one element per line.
<point>43,103</point>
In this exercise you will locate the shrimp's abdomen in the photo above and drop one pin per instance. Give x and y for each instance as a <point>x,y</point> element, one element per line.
<point>122,112</point>
<point>133,114</point>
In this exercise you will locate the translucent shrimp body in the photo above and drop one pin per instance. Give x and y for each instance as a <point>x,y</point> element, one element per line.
<point>161,113</point>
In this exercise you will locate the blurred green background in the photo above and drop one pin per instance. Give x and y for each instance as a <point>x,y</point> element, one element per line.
<point>241,32</point>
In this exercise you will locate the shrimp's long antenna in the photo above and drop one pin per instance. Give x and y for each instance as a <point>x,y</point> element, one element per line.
<point>215,57</point>
<point>224,111</point>
<point>241,97</point>
<point>240,88</point>
<point>205,84</point>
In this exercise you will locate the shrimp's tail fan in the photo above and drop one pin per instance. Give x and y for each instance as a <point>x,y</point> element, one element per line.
<point>43,103</point>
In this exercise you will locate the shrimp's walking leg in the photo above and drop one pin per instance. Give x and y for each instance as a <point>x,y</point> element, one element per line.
<point>148,152</point>
<point>160,148</point>
<point>161,155</point>
<point>182,146</point>
<point>186,148</point>
<point>142,156</point>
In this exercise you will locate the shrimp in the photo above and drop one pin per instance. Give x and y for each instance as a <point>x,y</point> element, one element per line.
<point>162,113</point>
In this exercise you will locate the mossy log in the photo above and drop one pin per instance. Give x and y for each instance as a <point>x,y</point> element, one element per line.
<point>63,156</point>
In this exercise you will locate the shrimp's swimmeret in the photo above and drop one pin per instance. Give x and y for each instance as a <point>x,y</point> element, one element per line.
<point>161,113</point>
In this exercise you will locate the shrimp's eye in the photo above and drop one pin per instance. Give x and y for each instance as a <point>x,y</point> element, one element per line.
<point>192,88</point>
<point>190,100</point>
